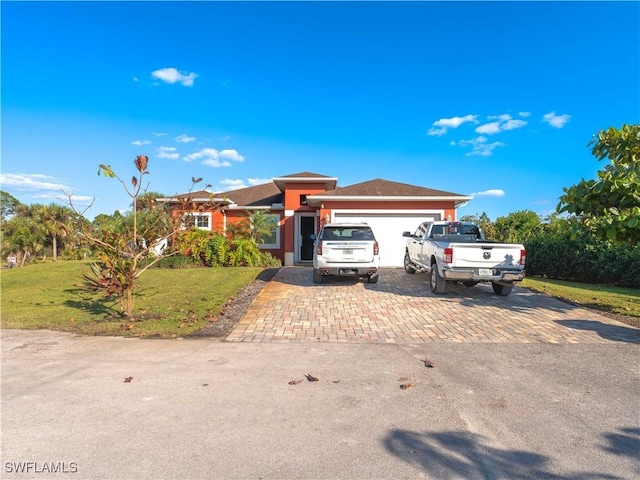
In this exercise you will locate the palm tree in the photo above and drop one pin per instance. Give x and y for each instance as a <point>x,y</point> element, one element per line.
<point>23,235</point>
<point>57,222</point>
<point>260,225</point>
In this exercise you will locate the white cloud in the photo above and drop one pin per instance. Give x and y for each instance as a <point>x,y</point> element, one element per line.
<point>258,181</point>
<point>441,126</point>
<point>232,155</point>
<point>524,114</point>
<point>505,117</point>
<point>157,134</point>
<point>167,152</point>
<point>556,121</point>
<point>513,124</point>
<point>436,132</point>
<point>489,128</point>
<point>172,75</point>
<point>480,147</point>
<point>489,193</point>
<point>232,184</point>
<point>455,122</point>
<point>140,143</point>
<point>473,141</point>
<point>502,123</point>
<point>236,184</point>
<point>215,158</point>
<point>184,139</point>
<point>31,181</point>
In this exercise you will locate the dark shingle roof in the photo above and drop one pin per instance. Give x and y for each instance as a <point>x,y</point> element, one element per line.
<point>387,188</point>
<point>259,196</point>
<point>265,195</point>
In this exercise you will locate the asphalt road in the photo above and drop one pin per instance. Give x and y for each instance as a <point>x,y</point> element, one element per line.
<point>204,409</point>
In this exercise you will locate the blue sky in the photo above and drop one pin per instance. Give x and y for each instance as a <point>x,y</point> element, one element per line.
<point>495,100</point>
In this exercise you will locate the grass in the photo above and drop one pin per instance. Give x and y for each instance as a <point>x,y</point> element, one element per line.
<point>168,303</point>
<point>613,300</point>
<point>177,302</point>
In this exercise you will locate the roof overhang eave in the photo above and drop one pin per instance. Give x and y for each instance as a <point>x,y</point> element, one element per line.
<point>194,200</point>
<point>316,200</point>
<point>330,182</point>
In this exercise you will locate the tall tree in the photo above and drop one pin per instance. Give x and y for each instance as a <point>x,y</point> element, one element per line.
<point>8,205</point>
<point>121,250</point>
<point>24,235</point>
<point>518,227</point>
<point>609,207</point>
<point>485,223</point>
<point>58,222</point>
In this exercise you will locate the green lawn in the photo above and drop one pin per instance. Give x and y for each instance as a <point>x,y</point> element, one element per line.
<point>168,302</point>
<point>174,303</point>
<point>617,300</point>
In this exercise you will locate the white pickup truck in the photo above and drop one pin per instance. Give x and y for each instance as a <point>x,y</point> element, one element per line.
<point>457,251</point>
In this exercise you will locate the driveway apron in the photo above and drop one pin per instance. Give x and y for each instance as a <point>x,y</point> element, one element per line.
<point>401,309</point>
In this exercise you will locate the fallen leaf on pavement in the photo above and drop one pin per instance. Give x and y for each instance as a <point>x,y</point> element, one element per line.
<point>311,378</point>
<point>128,379</point>
<point>406,385</point>
<point>428,363</point>
<point>295,382</point>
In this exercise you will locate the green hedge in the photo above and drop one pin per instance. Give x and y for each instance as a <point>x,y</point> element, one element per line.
<point>583,259</point>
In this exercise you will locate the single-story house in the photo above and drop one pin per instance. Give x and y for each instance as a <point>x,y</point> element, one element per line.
<point>302,202</point>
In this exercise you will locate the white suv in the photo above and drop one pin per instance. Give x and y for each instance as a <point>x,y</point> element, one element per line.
<point>346,249</point>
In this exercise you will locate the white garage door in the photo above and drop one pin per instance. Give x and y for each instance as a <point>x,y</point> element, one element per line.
<point>388,230</point>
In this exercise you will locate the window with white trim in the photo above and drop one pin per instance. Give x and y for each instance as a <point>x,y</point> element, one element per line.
<point>199,220</point>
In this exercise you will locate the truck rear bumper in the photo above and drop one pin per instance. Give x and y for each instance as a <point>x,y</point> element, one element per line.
<point>505,276</point>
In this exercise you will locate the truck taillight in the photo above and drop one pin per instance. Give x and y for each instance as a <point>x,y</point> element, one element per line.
<point>376,249</point>
<point>319,248</point>
<point>448,255</point>
<point>523,256</point>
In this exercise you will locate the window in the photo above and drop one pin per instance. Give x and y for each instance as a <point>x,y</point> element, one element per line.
<point>198,220</point>
<point>272,239</point>
<point>303,199</point>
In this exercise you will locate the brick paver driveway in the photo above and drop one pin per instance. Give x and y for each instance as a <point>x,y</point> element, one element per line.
<point>402,309</point>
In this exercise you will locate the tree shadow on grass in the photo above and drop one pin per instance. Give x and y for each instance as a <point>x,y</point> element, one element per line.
<point>605,330</point>
<point>466,455</point>
<point>96,307</point>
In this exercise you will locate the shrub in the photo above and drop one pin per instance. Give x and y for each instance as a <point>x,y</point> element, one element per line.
<point>583,259</point>
<point>177,262</point>
<point>216,250</point>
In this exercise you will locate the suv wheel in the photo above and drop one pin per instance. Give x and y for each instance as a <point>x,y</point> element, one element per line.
<point>373,278</point>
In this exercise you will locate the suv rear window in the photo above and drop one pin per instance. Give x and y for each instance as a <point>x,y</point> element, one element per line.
<point>347,233</point>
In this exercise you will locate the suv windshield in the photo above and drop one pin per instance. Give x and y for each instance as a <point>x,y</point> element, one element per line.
<point>347,233</point>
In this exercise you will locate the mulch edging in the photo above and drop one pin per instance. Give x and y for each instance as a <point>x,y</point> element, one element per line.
<point>235,309</point>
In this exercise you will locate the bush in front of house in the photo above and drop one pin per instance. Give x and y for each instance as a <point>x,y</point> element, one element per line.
<point>583,259</point>
<point>214,249</point>
<point>176,262</point>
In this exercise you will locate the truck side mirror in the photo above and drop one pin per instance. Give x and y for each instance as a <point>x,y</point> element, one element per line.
<point>407,234</point>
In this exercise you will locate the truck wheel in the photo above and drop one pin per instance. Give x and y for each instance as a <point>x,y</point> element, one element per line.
<point>438,283</point>
<point>373,278</point>
<point>317,276</point>
<point>407,264</point>
<point>502,290</point>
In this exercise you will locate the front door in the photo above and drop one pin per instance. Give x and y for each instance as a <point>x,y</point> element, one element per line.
<point>307,228</point>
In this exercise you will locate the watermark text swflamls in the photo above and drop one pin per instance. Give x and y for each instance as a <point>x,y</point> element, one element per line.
<point>40,467</point>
